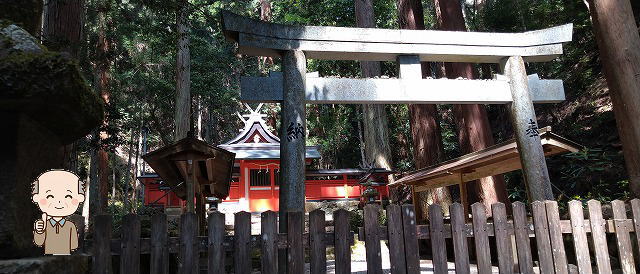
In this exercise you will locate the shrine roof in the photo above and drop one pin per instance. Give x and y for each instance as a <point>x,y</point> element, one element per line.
<point>256,140</point>
<point>497,159</point>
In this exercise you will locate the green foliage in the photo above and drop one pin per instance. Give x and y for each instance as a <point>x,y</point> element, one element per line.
<point>142,55</point>
<point>117,211</point>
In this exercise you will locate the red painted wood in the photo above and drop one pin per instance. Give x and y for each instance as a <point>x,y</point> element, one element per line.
<point>266,197</point>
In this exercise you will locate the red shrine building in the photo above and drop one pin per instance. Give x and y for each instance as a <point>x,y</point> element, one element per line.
<point>256,176</point>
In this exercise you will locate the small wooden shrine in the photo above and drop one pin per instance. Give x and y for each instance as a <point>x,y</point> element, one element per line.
<point>192,170</point>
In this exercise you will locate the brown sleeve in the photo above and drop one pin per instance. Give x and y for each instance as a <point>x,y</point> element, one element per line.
<point>73,244</point>
<point>38,238</point>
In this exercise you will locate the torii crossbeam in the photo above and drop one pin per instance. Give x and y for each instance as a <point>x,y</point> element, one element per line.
<point>293,88</point>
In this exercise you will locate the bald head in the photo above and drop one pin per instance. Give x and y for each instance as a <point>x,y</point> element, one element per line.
<point>58,192</point>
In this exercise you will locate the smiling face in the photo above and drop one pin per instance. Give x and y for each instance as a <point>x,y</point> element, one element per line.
<point>58,193</point>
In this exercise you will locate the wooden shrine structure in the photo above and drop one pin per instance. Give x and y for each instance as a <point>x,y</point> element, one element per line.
<point>193,170</point>
<point>255,180</point>
<point>497,159</point>
<point>293,88</point>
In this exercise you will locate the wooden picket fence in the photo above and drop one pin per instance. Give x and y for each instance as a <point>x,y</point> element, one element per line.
<point>499,237</point>
<point>512,234</point>
<point>190,245</point>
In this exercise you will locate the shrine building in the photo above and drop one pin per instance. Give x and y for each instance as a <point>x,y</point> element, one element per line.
<point>256,175</point>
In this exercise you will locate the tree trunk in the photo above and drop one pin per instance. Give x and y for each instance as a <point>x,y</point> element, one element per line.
<point>474,131</point>
<point>619,44</point>
<point>199,112</point>
<point>183,74</point>
<point>425,129</point>
<point>63,25</point>
<point>102,69</point>
<point>376,125</point>
<point>62,31</point>
<point>94,185</point>
<point>265,15</point>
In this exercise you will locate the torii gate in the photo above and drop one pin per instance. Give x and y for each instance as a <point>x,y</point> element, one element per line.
<point>293,87</point>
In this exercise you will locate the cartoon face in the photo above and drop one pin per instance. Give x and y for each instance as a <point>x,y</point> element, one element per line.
<point>58,193</point>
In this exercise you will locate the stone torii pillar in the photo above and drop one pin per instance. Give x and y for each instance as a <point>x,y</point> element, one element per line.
<point>525,130</point>
<point>292,143</point>
<point>292,134</point>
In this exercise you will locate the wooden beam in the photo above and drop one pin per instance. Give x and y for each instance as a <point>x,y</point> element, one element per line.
<point>400,91</point>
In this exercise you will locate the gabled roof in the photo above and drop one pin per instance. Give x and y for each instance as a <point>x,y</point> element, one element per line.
<point>497,159</point>
<point>256,141</point>
<point>213,169</point>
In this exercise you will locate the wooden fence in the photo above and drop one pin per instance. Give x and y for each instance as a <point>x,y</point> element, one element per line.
<point>545,225</point>
<point>190,245</point>
<point>539,242</point>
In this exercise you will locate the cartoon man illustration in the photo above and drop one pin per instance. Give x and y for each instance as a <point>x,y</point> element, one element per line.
<point>58,193</point>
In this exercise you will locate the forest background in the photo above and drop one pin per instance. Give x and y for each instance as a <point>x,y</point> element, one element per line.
<point>128,52</point>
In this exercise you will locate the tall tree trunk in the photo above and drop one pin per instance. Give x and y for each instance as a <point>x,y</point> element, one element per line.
<point>62,31</point>
<point>102,69</point>
<point>183,76</point>
<point>63,25</point>
<point>125,198</point>
<point>265,15</point>
<point>94,184</point>
<point>363,157</point>
<point>376,125</point>
<point>199,112</point>
<point>619,44</point>
<point>474,131</point>
<point>425,129</point>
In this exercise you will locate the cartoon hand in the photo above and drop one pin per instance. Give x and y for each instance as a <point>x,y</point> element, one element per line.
<point>39,225</point>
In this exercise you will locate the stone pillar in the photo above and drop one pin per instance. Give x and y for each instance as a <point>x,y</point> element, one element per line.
<point>525,127</point>
<point>292,140</point>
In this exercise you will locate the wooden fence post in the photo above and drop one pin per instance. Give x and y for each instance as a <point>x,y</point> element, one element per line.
<point>459,237</point>
<point>521,231</point>
<point>542,236</point>
<point>269,231</point>
<point>342,248</point>
<point>130,244</point>
<point>622,237</point>
<point>396,239</point>
<point>189,256</point>
<point>580,243</point>
<point>410,239</point>
<point>635,209</point>
<point>481,238</point>
<point>215,242</point>
<point>159,258</point>
<point>555,236</point>
<point>503,238</point>
<point>438,244</point>
<point>372,239</point>
<point>599,237</point>
<point>102,244</point>
<point>295,251</point>
<point>317,246</point>
<point>242,242</point>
